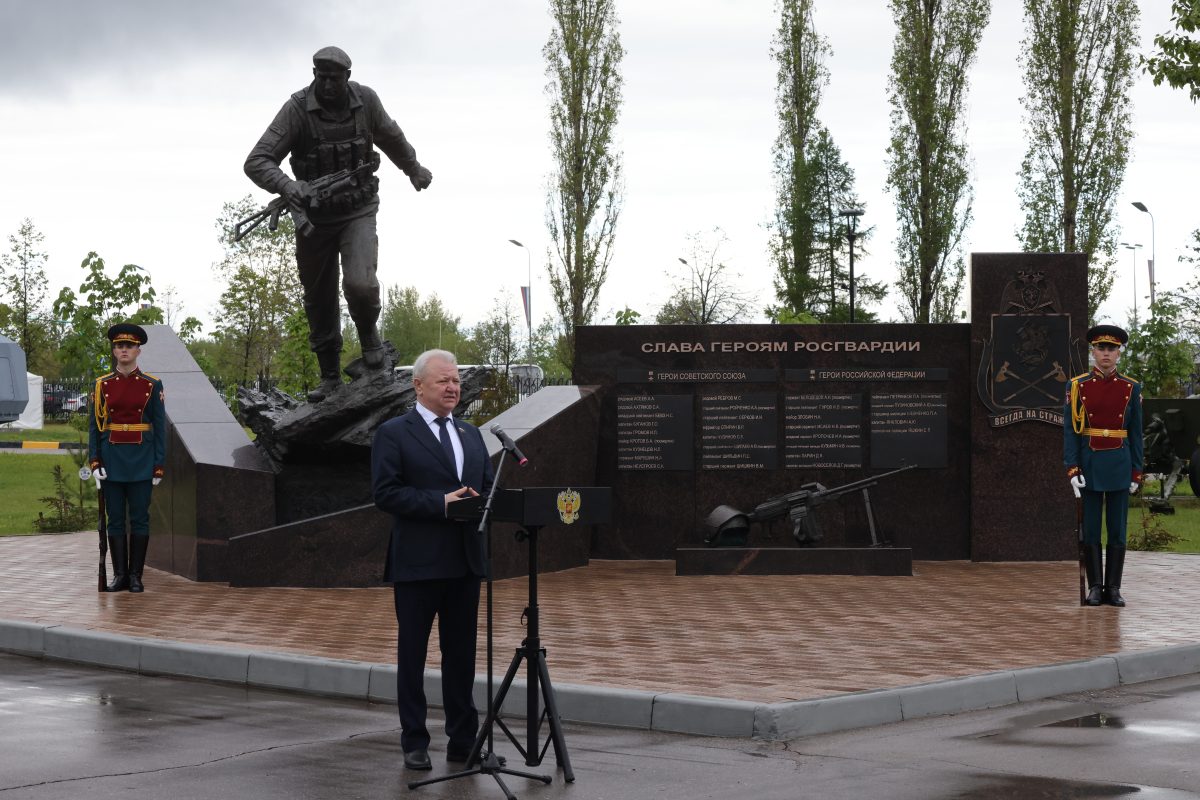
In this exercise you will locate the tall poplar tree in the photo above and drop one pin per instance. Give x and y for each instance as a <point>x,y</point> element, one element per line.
<point>1078,61</point>
<point>800,53</point>
<point>928,167</point>
<point>583,59</point>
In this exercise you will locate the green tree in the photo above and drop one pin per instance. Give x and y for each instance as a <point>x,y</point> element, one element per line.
<point>262,292</point>
<point>928,170</point>
<point>497,340</point>
<point>1177,60</point>
<point>102,302</point>
<point>799,53</point>
<point>414,325</point>
<point>583,58</point>
<point>708,292</point>
<point>1078,63</point>
<point>833,191</point>
<point>627,316</point>
<point>1157,355</point>
<point>23,284</point>
<point>295,364</point>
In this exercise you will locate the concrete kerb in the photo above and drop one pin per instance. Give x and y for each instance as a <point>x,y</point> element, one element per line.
<point>668,711</point>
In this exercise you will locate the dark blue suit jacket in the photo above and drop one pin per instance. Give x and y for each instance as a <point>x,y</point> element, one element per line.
<point>410,477</point>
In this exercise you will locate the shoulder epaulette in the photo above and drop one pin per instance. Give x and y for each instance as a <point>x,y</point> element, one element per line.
<point>152,377</point>
<point>1126,377</point>
<point>1081,377</point>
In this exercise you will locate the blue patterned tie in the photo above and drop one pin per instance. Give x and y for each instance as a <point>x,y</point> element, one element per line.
<point>444,437</point>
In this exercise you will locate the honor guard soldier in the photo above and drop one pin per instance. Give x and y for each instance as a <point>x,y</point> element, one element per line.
<point>331,129</point>
<point>1102,450</point>
<point>127,447</point>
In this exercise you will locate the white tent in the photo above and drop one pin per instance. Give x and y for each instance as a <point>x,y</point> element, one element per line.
<point>31,418</point>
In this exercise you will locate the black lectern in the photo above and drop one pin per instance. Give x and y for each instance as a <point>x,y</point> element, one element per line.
<point>533,509</point>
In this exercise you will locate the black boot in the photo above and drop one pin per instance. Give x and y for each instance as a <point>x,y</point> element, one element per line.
<point>119,551</point>
<point>330,362</point>
<point>1091,562</point>
<point>372,347</point>
<point>1112,575</point>
<point>137,560</point>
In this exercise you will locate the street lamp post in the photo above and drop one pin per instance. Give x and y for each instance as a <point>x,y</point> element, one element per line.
<point>851,215</point>
<point>1134,248</point>
<point>1142,207</point>
<point>528,294</point>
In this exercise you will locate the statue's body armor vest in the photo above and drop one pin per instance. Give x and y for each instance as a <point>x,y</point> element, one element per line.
<point>328,147</point>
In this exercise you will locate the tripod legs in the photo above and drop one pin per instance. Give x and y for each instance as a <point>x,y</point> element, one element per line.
<point>532,752</point>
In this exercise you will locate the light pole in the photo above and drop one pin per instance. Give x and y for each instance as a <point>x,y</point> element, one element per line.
<point>1134,248</point>
<point>528,298</point>
<point>851,215</point>
<point>1142,207</point>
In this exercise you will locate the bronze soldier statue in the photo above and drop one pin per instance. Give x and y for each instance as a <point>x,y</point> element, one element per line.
<point>331,129</point>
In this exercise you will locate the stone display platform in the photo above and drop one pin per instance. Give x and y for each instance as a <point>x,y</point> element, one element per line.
<point>793,561</point>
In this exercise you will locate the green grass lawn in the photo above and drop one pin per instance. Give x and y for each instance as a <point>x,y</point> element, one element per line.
<point>1184,523</point>
<point>27,477</point>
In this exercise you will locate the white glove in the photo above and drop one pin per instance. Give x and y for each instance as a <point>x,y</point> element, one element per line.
<point>1134,486</point>
<point>1078,481</point>
<point>155,481</point>
<point>100,473</point>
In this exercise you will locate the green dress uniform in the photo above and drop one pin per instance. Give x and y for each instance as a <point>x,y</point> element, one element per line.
<point>127,437</point>
<point>1102,441</point>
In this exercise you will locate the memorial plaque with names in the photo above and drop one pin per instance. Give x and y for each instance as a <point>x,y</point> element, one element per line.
<point>739,430</point>
<point>908,429</point>
<point>654,432</point>
<point>822,430</point>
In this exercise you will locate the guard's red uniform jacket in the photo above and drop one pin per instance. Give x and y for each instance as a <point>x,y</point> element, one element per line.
<point>1103,431</point>
<point>127,426</point>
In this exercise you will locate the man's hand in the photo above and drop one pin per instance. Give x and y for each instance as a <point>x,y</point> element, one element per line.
<point>1078,481</point>
<point>1134,486</point>
<point>459,494</point>
<point>101,473</point>
<point>421,178</point>
<point>155,481</point>
<point>297,193</point>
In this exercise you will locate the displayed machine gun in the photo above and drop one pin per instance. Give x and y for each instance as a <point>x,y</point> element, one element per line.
<point>320,191</point>
<point>728,527</point>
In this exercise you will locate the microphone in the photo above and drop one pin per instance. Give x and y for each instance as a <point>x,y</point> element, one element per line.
<point>509,445</point>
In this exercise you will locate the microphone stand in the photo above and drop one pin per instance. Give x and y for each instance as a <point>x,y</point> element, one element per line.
<point>490,765</point>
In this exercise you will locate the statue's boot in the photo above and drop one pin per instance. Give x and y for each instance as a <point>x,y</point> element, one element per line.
<point>1112,575</point>
<point>137,561</point>
<point>119,550</point>
<point>330,362</point>
<point>372,346</point>
<point>1091,563</point>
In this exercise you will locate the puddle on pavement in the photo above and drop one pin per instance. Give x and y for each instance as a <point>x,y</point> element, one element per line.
<point>1098,720</point>
<point>1025,787</point>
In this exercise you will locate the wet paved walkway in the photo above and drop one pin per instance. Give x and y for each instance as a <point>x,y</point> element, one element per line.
<point>635,625</point>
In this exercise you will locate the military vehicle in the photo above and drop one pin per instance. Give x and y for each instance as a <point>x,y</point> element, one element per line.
<point>1172,442</point>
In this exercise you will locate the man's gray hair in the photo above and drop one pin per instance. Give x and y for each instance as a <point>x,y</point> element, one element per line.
<point>429,355</point>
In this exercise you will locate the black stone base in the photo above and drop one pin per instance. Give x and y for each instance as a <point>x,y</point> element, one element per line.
<point>793,561</point>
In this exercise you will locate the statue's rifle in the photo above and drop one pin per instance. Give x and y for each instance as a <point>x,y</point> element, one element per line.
<point>320,191</point>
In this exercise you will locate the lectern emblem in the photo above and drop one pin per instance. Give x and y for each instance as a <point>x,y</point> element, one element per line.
<point>568,506</point>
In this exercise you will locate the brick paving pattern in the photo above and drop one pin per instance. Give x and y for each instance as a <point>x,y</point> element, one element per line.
<point>635,625</point>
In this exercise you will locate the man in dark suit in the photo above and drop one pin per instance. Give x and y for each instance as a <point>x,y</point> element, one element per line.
<point>420,463</point>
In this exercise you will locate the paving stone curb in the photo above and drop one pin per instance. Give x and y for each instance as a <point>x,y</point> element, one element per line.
<point>625,708</point>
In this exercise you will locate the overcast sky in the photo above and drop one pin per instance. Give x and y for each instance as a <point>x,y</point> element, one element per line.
<point>127,122</point>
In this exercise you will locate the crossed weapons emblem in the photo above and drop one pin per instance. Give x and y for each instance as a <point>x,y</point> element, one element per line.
<point>1006,372</point>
